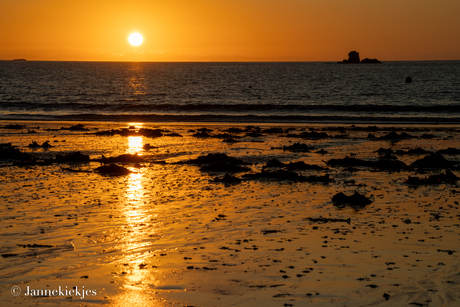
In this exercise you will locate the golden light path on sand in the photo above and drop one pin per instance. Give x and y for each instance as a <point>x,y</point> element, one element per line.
<point>135,144</point>
<point>136,288</point>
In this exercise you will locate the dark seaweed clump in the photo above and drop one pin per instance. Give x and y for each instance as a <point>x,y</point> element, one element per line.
<point>355,201</point>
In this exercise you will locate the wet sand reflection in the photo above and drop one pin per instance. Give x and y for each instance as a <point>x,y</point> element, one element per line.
<point>139,232</point>
<point>135,144</point>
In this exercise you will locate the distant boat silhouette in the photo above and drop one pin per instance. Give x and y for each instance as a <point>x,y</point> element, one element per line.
<point>19,60</point>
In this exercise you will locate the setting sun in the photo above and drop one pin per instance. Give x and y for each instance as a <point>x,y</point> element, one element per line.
<point>135,39</point>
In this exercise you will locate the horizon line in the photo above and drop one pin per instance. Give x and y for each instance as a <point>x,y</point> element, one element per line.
<point>212,61</point>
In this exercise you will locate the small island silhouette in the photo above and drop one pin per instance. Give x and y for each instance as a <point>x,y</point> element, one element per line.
<point>353,58</point>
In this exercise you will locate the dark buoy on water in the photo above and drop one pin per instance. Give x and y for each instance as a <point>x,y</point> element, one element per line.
<point>408,79</point>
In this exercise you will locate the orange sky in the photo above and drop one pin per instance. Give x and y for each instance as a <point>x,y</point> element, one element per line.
<point>230,30</point>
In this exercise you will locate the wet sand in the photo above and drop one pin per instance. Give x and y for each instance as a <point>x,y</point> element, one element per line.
<point>168,235</point>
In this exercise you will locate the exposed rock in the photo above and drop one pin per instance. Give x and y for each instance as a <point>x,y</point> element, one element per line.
<point>213,158</point>
<point>125,158</point>
<point>353,58</point>
<point>370,61</point>
<point>147,146</point>
<point>300,165</point>
<point>72,157</point>
<point>224,136</point>
<point>427,136</point>
<point>204,129</point>
<point>368,128</point>
<point>356,200</point>
<point>112,169</point>
<point>391,165</point>
<point>449,151</point>
<point>320,179</point>
<point>434,160</point>
<point>9,152</point>
<point>78,127</point>
<point>395,136</point>
<point>233,130</point>
<point>274,163</point>
<point>173,134</point>
<point>33,145</point>
<point>252,128</point>
<point>46,145</point>
<point>298,147</point>
<point>254,134</point>
<point>447,177</point>
<point>201,134</point>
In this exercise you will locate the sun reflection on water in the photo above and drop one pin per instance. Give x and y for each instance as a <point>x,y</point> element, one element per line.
<point>138,235</point>
<point>135,188</point>
<point>135,144</point>
<point>136,81</point>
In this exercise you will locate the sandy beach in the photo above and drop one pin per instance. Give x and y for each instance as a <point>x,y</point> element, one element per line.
<point>168,233</point>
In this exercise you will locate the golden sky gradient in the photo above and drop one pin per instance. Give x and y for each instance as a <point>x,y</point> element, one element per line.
<point>229,30</point>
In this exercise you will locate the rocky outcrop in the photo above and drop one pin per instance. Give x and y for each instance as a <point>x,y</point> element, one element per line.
<point>353,58</point>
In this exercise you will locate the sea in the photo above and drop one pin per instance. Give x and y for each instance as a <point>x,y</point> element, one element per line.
<point>243,92</point>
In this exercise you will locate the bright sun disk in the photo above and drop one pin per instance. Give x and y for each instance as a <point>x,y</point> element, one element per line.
<point>135,39</point>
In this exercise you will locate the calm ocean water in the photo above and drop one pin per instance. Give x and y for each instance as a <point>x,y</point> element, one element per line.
<point>231,92</point>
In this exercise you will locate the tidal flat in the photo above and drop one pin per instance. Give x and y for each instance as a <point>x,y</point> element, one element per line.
<point>253,226</point>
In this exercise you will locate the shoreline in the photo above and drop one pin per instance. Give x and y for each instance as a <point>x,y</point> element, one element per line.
<point>238,120</point>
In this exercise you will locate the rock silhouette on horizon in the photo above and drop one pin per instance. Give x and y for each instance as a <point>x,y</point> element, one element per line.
<point>353,58</point>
